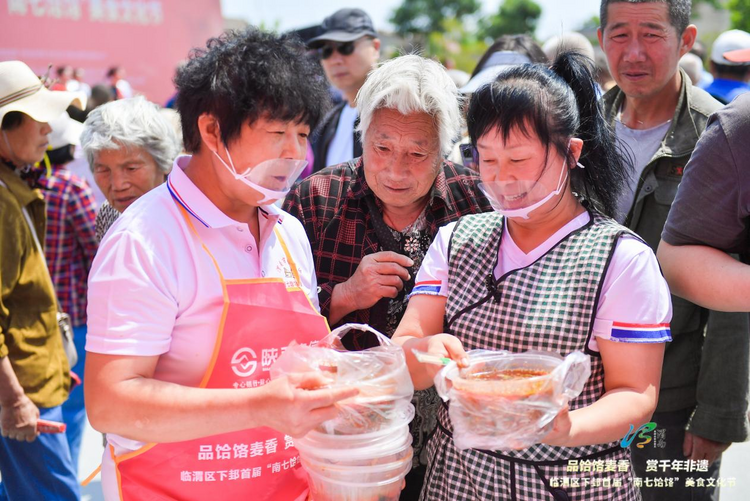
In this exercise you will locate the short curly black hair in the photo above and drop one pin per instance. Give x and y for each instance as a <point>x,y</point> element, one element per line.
<point>245,75</point>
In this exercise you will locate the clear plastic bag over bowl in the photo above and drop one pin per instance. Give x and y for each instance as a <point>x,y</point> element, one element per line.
<point>327,489</point>
<point>506,400</point>
<point>379,372</point>
<point>375,472</point>
<point>371,451</point>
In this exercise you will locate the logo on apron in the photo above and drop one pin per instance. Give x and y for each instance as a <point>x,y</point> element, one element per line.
<point>283,268</point>
<point>243,362</point>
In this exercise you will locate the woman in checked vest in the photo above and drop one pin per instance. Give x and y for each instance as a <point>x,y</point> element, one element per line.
<point>548,270</point>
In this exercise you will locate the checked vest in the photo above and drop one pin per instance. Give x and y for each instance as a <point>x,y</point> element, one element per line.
<point>549,306</point>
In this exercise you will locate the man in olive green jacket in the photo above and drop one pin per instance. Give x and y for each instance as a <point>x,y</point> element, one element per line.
<point>659,116</point>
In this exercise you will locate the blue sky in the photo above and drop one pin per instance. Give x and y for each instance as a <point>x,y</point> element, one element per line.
<point>557,15</point>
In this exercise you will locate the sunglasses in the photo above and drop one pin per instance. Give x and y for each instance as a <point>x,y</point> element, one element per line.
<point>343,48</point>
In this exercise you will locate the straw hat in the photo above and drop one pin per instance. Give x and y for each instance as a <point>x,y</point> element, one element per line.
<point>21,90</point>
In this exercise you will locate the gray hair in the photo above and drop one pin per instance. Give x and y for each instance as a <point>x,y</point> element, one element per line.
<point>679,12</point>
<point>569,41</point>
<point>130,123</point>
<point>693,66</point>
<point>411,84</point>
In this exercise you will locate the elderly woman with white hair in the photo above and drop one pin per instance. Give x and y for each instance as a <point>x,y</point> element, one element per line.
<point>371,220</point>
<point>130,148</point>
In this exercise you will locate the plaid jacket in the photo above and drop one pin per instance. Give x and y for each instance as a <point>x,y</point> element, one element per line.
<point>70,242</point>
<point>331,205</point>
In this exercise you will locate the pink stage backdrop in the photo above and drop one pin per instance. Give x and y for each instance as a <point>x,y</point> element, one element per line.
<point>148,38</point>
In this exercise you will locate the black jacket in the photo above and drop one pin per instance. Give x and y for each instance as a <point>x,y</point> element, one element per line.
<point>324,134</point>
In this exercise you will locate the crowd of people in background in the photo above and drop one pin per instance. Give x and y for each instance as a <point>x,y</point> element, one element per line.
<point>398,210</point>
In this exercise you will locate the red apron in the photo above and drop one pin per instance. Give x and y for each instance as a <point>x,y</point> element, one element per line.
<point>260,318</point>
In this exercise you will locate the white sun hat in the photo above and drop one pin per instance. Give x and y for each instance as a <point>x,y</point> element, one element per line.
<point>495,64</point>
<point>21,90</point>
<point>65,131</point>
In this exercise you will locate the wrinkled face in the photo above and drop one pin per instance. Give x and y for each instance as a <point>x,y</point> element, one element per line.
<point>401,157</point>
<point>125,174</point>
<point>643,49</point>
<point>263,140</point>
<point>26,143</point>
<point>348,73</point>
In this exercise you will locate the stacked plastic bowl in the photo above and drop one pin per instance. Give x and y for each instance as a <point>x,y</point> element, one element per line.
<point>365,452</point>
<point>362,467</point>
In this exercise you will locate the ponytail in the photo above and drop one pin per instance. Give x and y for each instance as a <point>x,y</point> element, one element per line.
<point>606,163</point>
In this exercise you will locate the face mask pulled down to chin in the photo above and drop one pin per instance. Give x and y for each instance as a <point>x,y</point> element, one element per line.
<point>518,198</point>
<point>271,178</point>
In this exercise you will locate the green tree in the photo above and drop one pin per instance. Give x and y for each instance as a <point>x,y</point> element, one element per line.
<point>457,44</point>
<point>716,4</point>
<point>421,17</point>
<point>513,17</point>
<point>592,24</point>
<point>740,14</point>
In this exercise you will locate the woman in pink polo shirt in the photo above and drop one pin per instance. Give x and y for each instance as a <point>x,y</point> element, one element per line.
<point>203,282</point>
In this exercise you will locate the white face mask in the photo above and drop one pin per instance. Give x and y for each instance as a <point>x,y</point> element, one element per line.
<point>504,195</point>
<point>271,178</point>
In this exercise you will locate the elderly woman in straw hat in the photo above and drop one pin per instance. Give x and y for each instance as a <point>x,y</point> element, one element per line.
<point>34,372</point>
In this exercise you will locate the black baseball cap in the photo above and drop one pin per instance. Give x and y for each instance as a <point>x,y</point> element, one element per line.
<point>344,25</point>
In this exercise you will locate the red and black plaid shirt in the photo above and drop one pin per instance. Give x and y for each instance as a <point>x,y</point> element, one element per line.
<point>70,243</point>
<point>331,205</point>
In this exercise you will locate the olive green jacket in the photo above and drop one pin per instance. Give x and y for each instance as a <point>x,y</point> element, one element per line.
<point>29,334</point>
<point>706,373</point>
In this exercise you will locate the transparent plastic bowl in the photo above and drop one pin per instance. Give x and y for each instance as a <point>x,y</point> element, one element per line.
<point>389,378</point>
<point>373,472</point>
<point>508,376</point>
<point>384,448</point>
<point>364,416</point>
<point>326,489</point>
<point>508,400</point>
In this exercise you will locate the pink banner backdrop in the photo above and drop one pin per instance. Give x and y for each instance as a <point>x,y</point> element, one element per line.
<point>148,38</point>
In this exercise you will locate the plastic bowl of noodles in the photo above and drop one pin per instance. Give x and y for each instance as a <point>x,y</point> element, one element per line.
<point>362,416</point>
<point>507,376</point>
<point>378,370</point>
<point>508,400</point>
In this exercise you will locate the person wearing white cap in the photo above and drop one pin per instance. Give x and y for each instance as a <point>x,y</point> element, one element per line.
<point>71,244</point>
<point>730,77</point>
<point>34,371</point>
<point>507,51</point>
